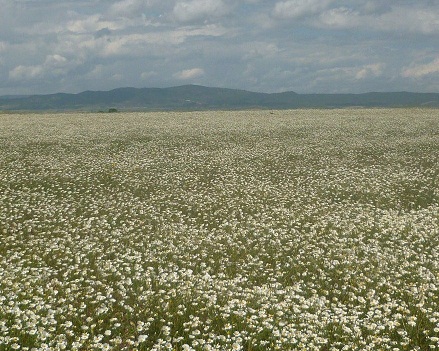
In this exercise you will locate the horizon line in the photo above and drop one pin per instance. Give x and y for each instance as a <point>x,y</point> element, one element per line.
<point>18,96</point>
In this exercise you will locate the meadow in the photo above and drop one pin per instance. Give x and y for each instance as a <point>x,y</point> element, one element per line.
<point>244,230</point>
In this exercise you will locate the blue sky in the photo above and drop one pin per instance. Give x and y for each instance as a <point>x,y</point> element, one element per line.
<point>307,46</point>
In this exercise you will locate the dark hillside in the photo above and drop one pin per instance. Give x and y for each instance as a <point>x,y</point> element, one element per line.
<point>195,97</point>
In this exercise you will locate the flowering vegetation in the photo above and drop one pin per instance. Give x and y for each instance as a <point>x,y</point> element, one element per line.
<point>249,230</point>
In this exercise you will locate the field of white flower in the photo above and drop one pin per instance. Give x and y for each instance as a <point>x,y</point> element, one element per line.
<point>250,230</point>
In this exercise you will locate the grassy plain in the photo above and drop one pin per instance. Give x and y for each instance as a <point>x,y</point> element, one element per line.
<point>250,230</point>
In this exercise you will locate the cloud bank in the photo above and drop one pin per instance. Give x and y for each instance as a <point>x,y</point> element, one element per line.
<point>301,45</point>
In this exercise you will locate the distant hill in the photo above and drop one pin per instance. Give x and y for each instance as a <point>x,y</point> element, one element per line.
<point>195,97</point>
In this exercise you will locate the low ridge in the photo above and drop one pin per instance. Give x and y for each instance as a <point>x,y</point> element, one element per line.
<point>197,97</point>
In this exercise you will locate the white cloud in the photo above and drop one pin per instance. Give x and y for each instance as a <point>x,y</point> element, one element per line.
<point>341,17</point>
<point>91,24</point>
<point>127,7</point>
<point>187,11</point>
<point>395,19</point>
<point>3,47</point>
<point>299,8</point>
<point>409,19</point>
<point>25,72</point>
<point>54,65</point>
<point>189,73</point>
<point>148,75</point>
<point>419,71</point>
<point>133,8</point>
<point>55,60</point>
<point>350,73</point>
<point>373,70</point>
<point>117,76</point>
<point>97,72</point>
<point>139,43</point>
<point>260,49</point>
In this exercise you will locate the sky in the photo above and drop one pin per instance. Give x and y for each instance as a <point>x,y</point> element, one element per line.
<point>306,46</point>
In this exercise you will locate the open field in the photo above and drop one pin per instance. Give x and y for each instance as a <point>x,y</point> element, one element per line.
<point>250,230</point>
